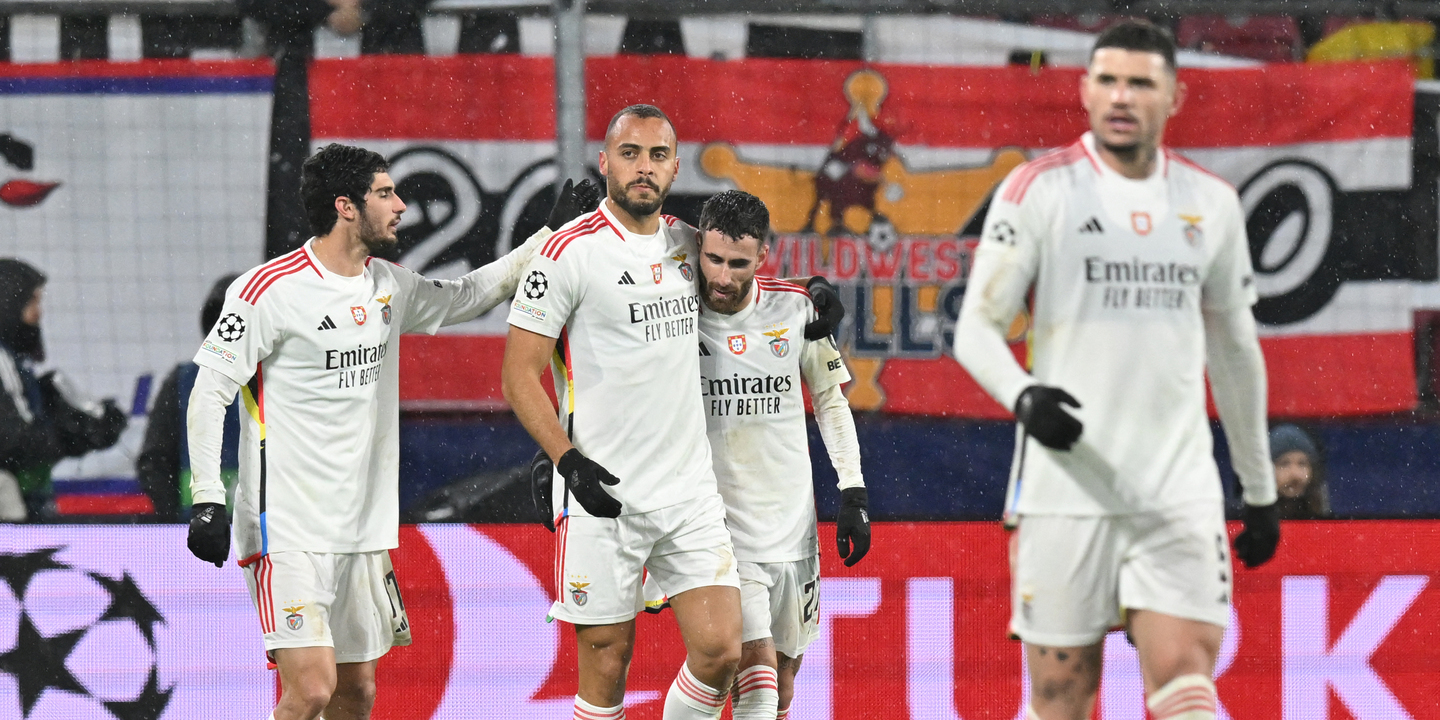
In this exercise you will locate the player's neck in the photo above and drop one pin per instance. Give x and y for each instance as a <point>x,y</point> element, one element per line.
<point>644,225</point>
<point>1136,163</point>
<point>341,252</point>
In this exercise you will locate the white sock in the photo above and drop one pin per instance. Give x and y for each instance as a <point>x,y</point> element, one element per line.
<point>757,694</point>
<point>690,699</point>
<point>783,714</point>
<point>586,711</point>
<point>1188,697</point>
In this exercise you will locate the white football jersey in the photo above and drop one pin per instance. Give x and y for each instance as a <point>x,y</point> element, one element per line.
<point>317,355</point>
<point>623,308</point>
<point>751,367</point>
<point>1121,270</point>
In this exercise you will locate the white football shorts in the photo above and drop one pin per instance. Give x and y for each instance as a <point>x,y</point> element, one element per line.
<point>1073,577</point>
<point>781,600</point>
<point>348,601</point>
<point>600,563</point>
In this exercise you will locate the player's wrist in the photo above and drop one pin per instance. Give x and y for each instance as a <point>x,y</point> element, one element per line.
<point>570,461</point>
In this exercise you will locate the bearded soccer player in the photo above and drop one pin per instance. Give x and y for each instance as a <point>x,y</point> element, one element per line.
<point>753,357</point>
<point>1142,282</point>
<point>310,340</point>
<point>612,299</point>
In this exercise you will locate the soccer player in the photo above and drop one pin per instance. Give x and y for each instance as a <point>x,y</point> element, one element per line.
<point>1141,276</point>
<point>753,357</point>
<point>310,340</point>
<point>612,299</point>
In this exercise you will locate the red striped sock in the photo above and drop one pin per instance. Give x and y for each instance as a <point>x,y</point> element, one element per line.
<point>1188,697</point>
<point>690,699</point>
<point>586,711</point>
<point>757,693</point>
<point>783,714</point>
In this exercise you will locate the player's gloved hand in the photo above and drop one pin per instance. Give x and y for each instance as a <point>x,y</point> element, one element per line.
<point>209,533</point>
<point>827,304</point>
<point>852,525</point>
<point>584,477</point>
<point>1255,545</point>
<point>1038,409</point>
<point>573,201</point>
<point>542,473</point>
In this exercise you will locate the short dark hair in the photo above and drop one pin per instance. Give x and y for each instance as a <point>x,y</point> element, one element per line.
<point>641,111</point>
<point>337,171</point>
<point>1140,36</point>
<point>735,214</point>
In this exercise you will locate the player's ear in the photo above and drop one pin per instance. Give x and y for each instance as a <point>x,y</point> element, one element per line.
<point>344,208</point>
<point>760,259</point>
<point>604,165</point>
<point>1181,91</point>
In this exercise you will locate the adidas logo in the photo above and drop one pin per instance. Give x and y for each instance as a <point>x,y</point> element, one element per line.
<point>326,324</point>
<point>1093,226</point>
<point>625,279</point>
<point>704,351</point>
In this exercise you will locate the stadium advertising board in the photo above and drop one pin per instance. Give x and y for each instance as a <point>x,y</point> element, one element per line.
<point>102,622</point>
<point>878,176</point>
<point>133,187</point>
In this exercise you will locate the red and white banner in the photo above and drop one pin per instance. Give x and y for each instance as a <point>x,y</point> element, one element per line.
<point>876,176</point>
<point>102,621</point>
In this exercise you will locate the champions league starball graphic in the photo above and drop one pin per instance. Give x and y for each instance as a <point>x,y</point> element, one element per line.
<point>63,617</point>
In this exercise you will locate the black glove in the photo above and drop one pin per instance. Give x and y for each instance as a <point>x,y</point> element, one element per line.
<point>106,431</point>
<point>827,304</point>
<point>572,202</point>
<point>852,525</point>
<point>209,533</point>
<point>1255,545</point>
<point>583,477</point>
<point>542,474</point>
<point>1038,409</point>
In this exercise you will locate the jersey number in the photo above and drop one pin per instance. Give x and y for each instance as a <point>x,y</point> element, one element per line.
<point>392,588</point>
<point>811,599</point>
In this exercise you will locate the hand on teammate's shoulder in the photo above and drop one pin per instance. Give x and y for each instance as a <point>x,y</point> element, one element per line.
<point>573,201</point>
<point>827,305</point>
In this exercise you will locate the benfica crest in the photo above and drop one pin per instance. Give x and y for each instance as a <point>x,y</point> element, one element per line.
<point>657,270</point>
<point>737,344</point>
<point>1193,235</point>
<point>295,620</point>
<point>579,594</point>
<point>358,313</point>
<point>779,344</point>
<point>686,271</point>
<point>384,308</point>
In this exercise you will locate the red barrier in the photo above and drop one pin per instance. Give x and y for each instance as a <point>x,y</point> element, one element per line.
<point>1342,624</point>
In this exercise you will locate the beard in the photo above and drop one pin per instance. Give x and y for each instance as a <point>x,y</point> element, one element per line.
<point>636,208</point>
<point>28,342</point>
<point>374,237</point>
<point>731,304</point>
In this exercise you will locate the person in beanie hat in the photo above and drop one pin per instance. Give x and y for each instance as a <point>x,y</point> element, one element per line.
<point>42,420</point>
<point>1303,492</point>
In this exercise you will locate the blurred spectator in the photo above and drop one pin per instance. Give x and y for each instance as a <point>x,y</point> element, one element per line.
<point>164,463</point>
<point>1303,492</point>
<point>393,26</point>
<point>42,419</point>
